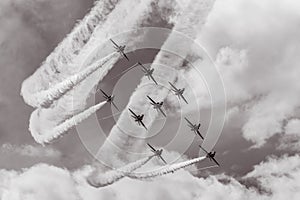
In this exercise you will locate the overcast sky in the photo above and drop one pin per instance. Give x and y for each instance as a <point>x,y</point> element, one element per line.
<point>255,45</point>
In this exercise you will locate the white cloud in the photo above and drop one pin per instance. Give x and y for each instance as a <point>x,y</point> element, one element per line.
<point>293,127</point>
<point>30,150</point>
<point>231,64</point>
<point>38,182</point>
<point>291,139</point>
<point>280,176</point>
<point>260,59</point>
<point>277,178</point>
<point>266,174</point>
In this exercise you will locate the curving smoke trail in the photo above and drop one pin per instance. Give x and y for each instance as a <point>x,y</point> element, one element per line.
<point>128,14</point>
<point>69,48</point>
<point>109,177</point>
<point>44,135</point>
<point>58,65</point>
<point>165,68</point>
<point>48,124</point>
<point>167,169</point>
<point>47,97</point>
<point>97,179</point>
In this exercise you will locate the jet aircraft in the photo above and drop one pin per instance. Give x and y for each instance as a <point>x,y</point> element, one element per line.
<point>210,155</point>
<point>109,99</point>
<point>157,105</point>
<point>148,72</point>
<point>138,118</point>
<point>194,127</point>
<point>178,92</point>
<point>157,152</point>
<point>120,49</point>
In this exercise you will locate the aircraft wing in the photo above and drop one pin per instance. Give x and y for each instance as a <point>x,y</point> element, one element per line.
<point>142,66</point>
<point>173,86</point>
<point>153,149</point>
<point>114,43</point>
<point>132,112</point>
<point>125,56</point>
<point>153,79</point>
<point>151,99</point>
<point>115,105</point>
<point>215,161</point>
<point>163,159</point>
<point>203,149</point>
<point>143,124</point>
<point>162,112</point>
<point>184,99</point>
<point>198,132</point>
<point>104,93</point>
<point>188,121</point>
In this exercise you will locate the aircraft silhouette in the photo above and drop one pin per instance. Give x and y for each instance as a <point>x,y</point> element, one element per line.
<point>157,105</point>
<point>157,152</point>
<point>210,155</point>
<point>194,127</point>
<point>178,92</point>
<point>120,49</point>
<point>109,99</point>
<point>148,72</point>
<point>138,118</point>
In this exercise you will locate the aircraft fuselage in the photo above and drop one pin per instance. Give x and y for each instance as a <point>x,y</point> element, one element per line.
<point>211,154</point>
<point>120,48</point>
<point>139,118</point>
<point>179,92</point>
<point>109,99</point>
<point>158,152</point>
<point>157,105</point>
<point>149,72</point>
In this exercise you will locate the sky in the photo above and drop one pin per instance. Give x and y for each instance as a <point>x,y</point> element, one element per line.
<point>254,45</point>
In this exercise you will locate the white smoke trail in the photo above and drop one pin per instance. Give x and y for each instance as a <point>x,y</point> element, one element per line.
<point>109,177</point>
<point>189,23</point>
<point>127,15</point>
<point>44,135</point>
<point>47,97</point>
<point>75,41</point>
<point>166,170</point>
<point>58,64</point>
<point>63,109</point>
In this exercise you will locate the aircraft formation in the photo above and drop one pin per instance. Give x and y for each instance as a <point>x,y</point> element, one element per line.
<point>138,118</point>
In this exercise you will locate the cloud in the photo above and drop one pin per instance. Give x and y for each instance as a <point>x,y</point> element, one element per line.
<point>267,177</point>
<point>291,139</point>
<point>38,182</point>
<point>275,179</point>
<point>254,45</point>
<point>30,150</point>
<point>279,176</point>
<point>293,127</point>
